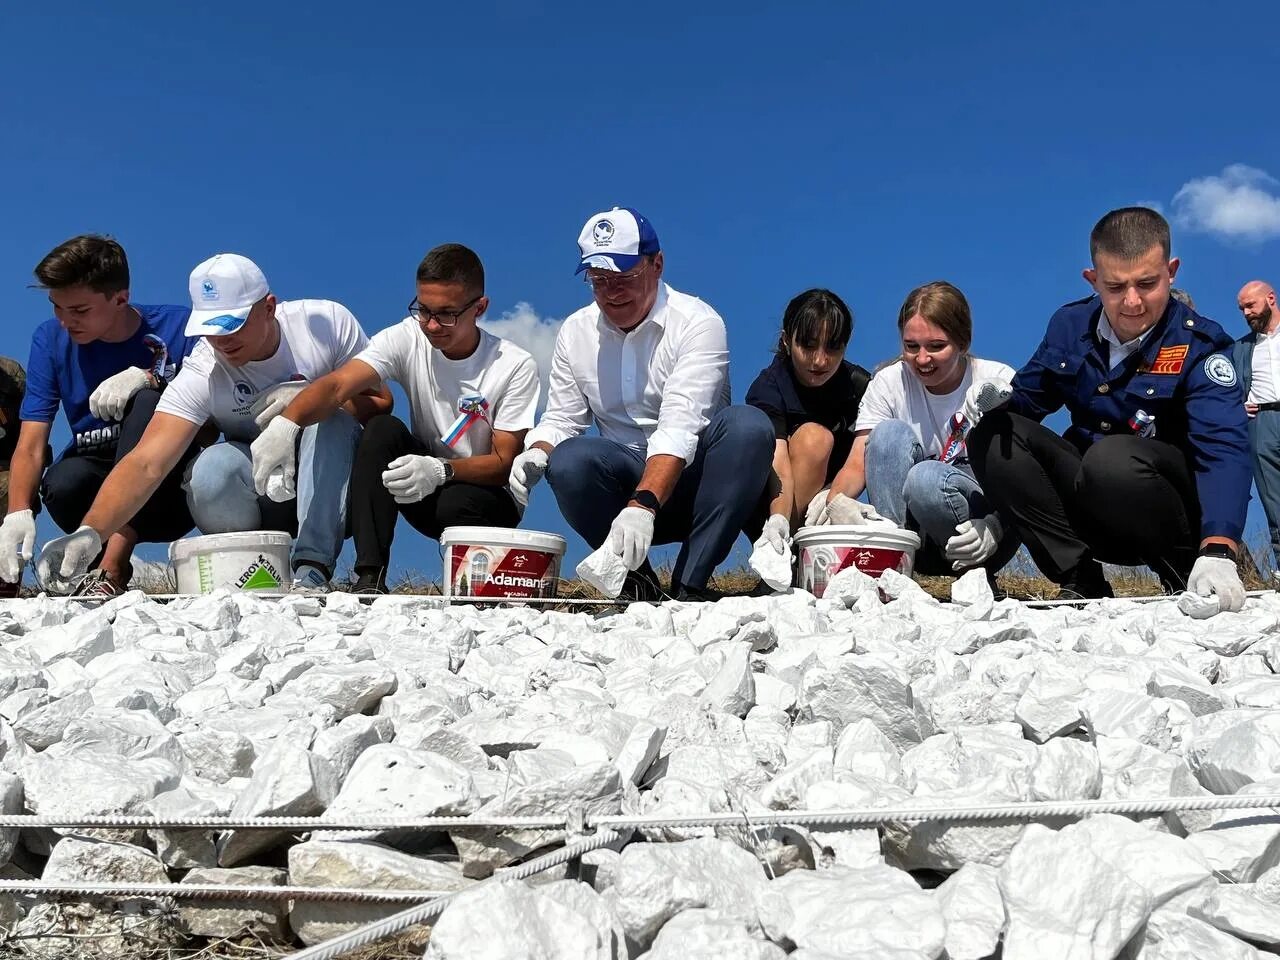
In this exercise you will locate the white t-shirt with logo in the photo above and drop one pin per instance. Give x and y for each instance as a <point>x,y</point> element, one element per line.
<point>316,337</point>
<point>455,405</point>
<point>895,393</point>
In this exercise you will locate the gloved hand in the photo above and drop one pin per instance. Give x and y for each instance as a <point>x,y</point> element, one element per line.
<point>113,394</point>
<point>1217,576</point>
<point>412,478</point>
<point>276,452</point>
<point>526,470</point>
<point>64,559</point>
<point>17,543</point>
<point>838,509</point>
<point>631,535</point>
<point>974,542</point>
<point>776,533</point>
<point>272,403</point>
<point>983,396</point>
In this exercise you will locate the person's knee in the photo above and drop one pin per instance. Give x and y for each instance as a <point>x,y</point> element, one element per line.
<point>574,463</point>
<point>925,482</point>
<point>748,432</point>
<point>216,472</point>
<point>811,443</point>
<point>66,490</point>
<point>1115,467</point>
<point>891,438</point>
<point>141,406</point>
<point>381,430</point>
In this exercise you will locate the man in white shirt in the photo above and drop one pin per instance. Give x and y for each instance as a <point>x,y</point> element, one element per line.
<point>472,397</point>
<point>256,356</point>
<point>674,462</point>
<point>1256,357</point>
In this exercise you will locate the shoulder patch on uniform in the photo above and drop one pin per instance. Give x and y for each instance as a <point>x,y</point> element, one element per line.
<point>1220,370</point>
<point>1169,360</point>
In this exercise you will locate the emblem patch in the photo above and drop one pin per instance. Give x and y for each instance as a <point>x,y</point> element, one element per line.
<point>1219,369</point>
<point>1170,360</point>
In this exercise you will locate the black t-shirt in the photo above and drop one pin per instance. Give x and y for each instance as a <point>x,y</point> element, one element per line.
<point>790,404</point>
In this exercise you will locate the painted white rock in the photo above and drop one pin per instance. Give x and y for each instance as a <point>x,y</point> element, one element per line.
<point>1066,769</point>
<point>973,910</point>
<point>389,781</point>
<point>287,782</point>
<point>1235,909</point>
<point>1172,935</point>
<point>263,919</point>
<point>217,754</point>
<point>857,686</point>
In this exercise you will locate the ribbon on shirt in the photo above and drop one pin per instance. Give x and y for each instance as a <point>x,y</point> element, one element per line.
<point>472,409</point>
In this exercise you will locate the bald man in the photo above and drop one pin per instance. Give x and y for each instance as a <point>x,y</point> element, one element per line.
<point>1257,360</point>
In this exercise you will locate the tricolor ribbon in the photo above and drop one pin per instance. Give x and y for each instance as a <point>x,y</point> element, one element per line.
<point>473,409</point>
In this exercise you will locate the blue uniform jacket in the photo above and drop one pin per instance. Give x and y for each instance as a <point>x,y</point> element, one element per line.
<point>1181,375</point>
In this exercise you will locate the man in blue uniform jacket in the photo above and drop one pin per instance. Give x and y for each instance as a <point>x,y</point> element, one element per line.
<point>1155,467</point>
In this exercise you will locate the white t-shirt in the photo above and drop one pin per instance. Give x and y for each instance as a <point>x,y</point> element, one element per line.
<point>316,337</point>
<point>448,398</point>
<point>895,393</point>
<point>1265,373</point>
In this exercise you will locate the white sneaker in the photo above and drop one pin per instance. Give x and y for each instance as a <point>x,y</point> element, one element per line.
<point>309,580</point>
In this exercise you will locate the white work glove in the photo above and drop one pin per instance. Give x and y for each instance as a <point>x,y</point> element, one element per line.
<point>838,509</point>
<point>1217,576</point>
<point>526,470</point>
<point>275,454</point>
<point>776,533</point>
<point>631,535</point>
<point>113,394</point>
<point>17,544</point>
<point>66,558</point>
<point>983,396</point>
<point>272,403</point>
<point>974,542</point>
<point>412,478</point>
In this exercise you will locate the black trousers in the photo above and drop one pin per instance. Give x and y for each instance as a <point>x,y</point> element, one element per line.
<point>373,511</point>
<point>1124,500</point>
<point>69,486</point>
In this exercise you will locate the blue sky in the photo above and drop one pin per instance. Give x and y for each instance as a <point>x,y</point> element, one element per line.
<point>868,148</point>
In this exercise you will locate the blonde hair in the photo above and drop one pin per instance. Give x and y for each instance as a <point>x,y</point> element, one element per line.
<point>943,305</point>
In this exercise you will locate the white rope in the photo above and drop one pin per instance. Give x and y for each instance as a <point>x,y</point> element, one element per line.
<point>399,922</point>
<point>213,891</point>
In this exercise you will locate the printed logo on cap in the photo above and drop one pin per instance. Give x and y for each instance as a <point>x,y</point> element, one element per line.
<point>1219,369</point>
<point>602,233</point>
<point>224,322</point>
<point>208,290</point>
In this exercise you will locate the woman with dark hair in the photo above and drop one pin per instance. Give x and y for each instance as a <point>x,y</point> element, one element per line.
<point>909,441</point>
<point>811,394</point>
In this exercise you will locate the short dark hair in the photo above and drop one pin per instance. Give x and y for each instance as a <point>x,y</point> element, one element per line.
<point>1130,232</point>
<point>452,263</point>
<point>813,315</point>
<point>943,305</point>
<point>89,260</point>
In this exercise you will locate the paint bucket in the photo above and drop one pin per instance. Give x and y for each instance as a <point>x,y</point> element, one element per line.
<point>254,561</point>
<point>825,551</point>
<point>501,563</point>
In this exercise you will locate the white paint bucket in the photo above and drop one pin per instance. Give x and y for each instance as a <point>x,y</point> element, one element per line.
<point>825,551</point>
<point>253,561</point>
<point>500,562</point>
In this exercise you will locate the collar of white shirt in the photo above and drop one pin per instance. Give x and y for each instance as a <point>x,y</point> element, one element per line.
<point>1119,350</point>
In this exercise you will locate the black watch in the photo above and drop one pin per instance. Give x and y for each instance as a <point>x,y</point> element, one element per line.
<point>647,499</point>
<point>1218,550</point>
<point>448,471</point>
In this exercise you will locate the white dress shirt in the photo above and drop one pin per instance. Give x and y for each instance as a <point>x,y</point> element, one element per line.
<point>1118,352</point>
<point>654,388</point>
<point>1266,369</point>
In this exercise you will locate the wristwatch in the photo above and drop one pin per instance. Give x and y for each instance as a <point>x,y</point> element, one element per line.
<point>448,470</point>
<point>647,499</point>
<point>1218,550</point>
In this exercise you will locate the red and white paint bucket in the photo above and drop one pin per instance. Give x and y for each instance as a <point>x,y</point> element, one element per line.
<point>825,551</point>
<point>501,563</point>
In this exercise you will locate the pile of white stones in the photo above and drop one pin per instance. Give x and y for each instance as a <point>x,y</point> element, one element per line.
<point>231,704</point>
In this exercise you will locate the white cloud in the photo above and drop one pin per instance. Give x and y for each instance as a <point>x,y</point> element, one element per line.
<point>1241,203</point>
<point>523,327</point>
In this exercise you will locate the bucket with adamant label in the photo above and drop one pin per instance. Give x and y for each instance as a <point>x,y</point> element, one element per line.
<point>825,551</point>
<point>253,561</point>
<point>501,563</point>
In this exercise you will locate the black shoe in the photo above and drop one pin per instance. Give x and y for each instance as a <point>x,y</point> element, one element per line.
<point>696,595</point>
<point>1086,582</point>
<point>641,586</point>
<point>997,592</point>
<point>371,584</point>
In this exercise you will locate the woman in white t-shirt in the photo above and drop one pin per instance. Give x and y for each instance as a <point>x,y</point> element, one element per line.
<point>909,450</point>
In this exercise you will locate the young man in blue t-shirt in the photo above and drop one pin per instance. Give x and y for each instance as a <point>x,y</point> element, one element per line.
<point>105,361</point>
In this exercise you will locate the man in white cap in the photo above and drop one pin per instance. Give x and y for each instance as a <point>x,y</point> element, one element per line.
<point>674,462</point>
<point>257,354</point>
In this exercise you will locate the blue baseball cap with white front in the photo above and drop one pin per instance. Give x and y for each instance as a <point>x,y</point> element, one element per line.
<point>616,240</point>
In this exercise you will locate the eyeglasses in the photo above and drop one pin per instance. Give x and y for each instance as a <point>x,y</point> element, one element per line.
<point>607,281</point>
<point>446,318</point>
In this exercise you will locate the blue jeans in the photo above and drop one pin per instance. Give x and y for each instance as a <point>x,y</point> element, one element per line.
<point>593,478</point>
<point>925,495</point>
<point>219,485</point>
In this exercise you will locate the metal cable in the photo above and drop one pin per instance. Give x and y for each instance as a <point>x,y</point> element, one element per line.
<point>399,922</point>
<point>213,891</point>
<point>1158,596</point>
<point>355,824</point>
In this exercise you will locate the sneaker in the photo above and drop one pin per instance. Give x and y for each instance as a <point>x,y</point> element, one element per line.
<point>308,579</point>
<point>696,595</point>
<point>97,583</point>
<point>370,584</point>
<point>9,591</point>
<point>641,586</point>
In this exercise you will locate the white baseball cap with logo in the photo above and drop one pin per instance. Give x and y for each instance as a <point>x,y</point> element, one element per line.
<point>223,290</point>
<point>616,240</point>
